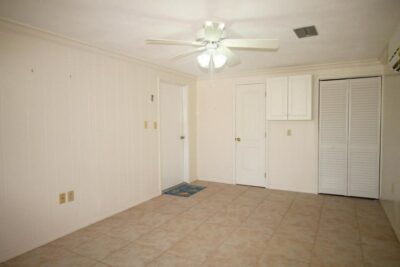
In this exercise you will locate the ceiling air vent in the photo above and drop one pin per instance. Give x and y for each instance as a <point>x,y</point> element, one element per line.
<point>306,31</point>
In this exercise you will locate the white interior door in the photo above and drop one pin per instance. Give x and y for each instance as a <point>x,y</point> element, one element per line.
<point>171,134</point>
<point>250,134</point>
<point>364,137</point>
<point>333,131</point>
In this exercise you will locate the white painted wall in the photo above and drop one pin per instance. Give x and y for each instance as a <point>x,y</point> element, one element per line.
<point>390,168</point>
<point>71,118</point>
<point>292,161</point>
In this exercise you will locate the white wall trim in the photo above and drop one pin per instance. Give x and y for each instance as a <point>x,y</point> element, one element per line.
<point>289,188</point>
<point>373,64</point>
<point>216,180</point>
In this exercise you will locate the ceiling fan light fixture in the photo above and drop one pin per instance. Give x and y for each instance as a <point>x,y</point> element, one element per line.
<point>211,57</point>
<point>219,60</point>
<point>216,47</point>
<point>204,60</point>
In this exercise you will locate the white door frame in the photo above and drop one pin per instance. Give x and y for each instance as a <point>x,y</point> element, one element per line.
<point>185,103</point>
<point>249,82</point>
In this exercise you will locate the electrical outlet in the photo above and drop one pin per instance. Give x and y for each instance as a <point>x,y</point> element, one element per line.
<point>71,196</point>
<point>289,132</point>
<point>61,198</point>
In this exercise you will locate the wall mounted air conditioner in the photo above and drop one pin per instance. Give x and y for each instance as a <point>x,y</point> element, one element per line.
<point>394,50</point>
<point>394,60</point>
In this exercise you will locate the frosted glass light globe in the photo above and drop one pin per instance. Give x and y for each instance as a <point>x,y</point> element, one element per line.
<point>219,60</point>
<point>204,60</point>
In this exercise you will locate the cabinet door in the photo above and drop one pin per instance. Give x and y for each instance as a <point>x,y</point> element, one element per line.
<point>364,137</point>
<point>277,98</point>
<point>333,130</point>
<point>300,97</point>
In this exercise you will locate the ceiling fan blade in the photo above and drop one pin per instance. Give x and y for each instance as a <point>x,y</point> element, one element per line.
<point>232,58</point>
<point>265,44</point>
<point>173,42</point>
<point>189,53</point>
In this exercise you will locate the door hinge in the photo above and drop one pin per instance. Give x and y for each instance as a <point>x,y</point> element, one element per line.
<point>265,175</point>
<point>265,94</point>
<point>265,134</point>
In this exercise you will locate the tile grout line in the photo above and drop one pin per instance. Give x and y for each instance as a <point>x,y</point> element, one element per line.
<point>203,262</point>
<point>316,233</point>
<point>280,223</point>
<point>224,240</point>
<point>163,252</point>
<point>259,204</point>
<point>157,227</point>
<point>360,238</point>
<point>87,241</point>
<point>213,215</point>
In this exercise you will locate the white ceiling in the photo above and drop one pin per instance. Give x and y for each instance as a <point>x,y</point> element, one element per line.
<point>348,29</point>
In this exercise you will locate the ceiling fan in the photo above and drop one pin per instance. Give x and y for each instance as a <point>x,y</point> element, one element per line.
<point>216,48</point>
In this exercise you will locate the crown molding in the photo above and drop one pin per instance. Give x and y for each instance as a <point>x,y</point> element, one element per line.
<point>18,27</point>
<point>359,64</point>
<point>388,71</point>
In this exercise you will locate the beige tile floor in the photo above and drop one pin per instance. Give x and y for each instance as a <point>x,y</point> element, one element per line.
<point>230,225</point>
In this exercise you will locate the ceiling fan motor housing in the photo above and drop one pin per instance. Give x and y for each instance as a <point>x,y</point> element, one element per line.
<point>211,32</point>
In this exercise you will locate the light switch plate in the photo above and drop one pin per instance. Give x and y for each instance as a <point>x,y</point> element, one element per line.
<point>61,198</point>
<point>71,196</point>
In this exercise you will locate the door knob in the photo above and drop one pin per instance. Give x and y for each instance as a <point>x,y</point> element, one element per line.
<point>182,137</point>
<point>237,139</point>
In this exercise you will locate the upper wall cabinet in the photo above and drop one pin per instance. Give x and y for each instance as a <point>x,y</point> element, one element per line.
<point>289,98</point>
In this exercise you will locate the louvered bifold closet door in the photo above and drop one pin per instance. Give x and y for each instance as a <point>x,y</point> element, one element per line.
<point>364,137</point>
<point>333,130</point>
